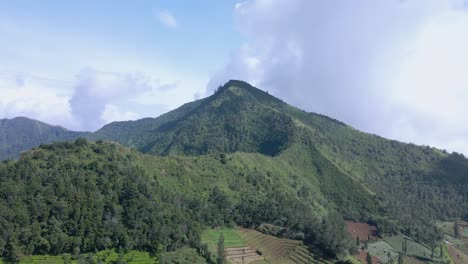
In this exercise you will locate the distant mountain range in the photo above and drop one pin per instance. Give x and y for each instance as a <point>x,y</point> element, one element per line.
<point>21,133</point>
<point>240,156</point>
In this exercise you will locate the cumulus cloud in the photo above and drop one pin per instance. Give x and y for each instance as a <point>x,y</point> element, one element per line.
<point>96,93</point>
<point>93,99</point>
<point>395,68</point>
<point>112,113</point>
<point>166,18</point>
<point>28,96</point>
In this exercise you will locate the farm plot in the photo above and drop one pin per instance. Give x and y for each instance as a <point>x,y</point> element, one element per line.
<point>279,250</point>
<point>414,248</point>
<point>231,238</point>
<point>458,243</point>
<point>362,230</point>
<point>457,256</point>
<point>381,250</point>
<point>242,255</point>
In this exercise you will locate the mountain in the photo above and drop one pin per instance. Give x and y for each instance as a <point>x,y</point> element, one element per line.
<point>238,157</point>
<point>416,184</point>
<point>237,117</point>
<point>20,134</point>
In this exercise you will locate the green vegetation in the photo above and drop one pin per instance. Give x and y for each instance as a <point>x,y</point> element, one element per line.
<point>20,134</point>
<point>239,157</point>
<point>106,256</point>
<point>231,238</point>
<point>381,250</point>
<point>413,248</point>
<point>91,196</point>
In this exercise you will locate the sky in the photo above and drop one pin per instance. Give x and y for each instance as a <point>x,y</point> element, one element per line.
<point>396,68</point>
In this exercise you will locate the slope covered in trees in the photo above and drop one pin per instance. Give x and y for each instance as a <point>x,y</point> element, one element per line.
<point>240,156</point>
<point>416,185</point>
<point>20,134</point>
<point>85,197</point>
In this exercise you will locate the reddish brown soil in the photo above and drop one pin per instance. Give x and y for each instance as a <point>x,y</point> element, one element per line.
<point>361,230</point>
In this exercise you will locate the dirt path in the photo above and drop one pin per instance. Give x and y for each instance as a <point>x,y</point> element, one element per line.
<point>457,256</point>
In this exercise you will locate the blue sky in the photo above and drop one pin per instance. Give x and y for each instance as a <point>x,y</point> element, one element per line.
<point>49,43</point>
<point>132,27</point>
<point>391,67</point>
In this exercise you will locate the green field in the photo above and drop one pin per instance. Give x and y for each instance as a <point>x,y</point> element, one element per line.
<point>414,249</point>
<point>231,238</point>
<point>381,249</point>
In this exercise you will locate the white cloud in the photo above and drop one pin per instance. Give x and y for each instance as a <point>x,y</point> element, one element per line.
<point>112,113</point>
<point>96,91</point>
<point>34,100</point>
<point>395,68</point>
<point>166,18</point>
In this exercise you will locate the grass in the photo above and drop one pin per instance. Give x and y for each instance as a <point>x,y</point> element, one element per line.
<point>380,250</point>
<point>457,256</point>
<point>447,258</point>
<point>133,257</point>
<point>458,243</point>
<point>414,249</point>
<point>446,227</point>
<point>465,232</point>
<point>231,238</point>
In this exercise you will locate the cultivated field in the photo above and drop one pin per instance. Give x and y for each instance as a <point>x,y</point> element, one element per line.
<point>381,249</point>
<point>362,230</point>
<point>414,249</point>
<point>243,255</point>
<point>231,238</point>
<point>457,256</point>
<point>279,250</point>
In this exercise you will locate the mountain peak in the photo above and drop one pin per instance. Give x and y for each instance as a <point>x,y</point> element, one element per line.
<point>239,84</point>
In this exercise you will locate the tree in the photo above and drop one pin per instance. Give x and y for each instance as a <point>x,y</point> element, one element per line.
<point>12,252</point>
<point>401,258</point>
<point>369,258</point>
<point>404,246</point>
<point>221,253</point>
<point>456,230</point>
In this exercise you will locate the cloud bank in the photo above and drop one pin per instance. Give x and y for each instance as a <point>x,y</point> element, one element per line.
<point>394,68</point>
<point>97,98</point>
<point>95,95</point>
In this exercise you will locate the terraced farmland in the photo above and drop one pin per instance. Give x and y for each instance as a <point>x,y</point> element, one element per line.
<point>278,250</point>
<point>242,255</point>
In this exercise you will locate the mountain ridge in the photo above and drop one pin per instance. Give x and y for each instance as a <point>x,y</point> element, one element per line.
<point>238,157</point>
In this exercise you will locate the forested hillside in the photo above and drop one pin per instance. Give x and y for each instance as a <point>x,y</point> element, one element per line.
<point>239,157</point>
<point>20,134</point>
<point>416,185</point>
<point>84,197</point>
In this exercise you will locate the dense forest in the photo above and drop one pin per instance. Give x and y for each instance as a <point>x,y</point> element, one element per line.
<point>85,197</point>
<point>239,157</point>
